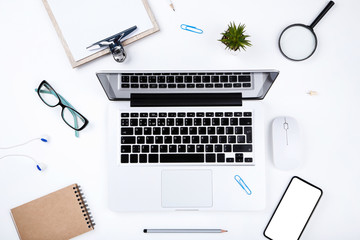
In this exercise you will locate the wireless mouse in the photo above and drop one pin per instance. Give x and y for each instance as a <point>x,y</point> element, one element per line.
<point>287,153</point>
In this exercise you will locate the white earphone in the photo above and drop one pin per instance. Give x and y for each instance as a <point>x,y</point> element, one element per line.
<point>39,166</point>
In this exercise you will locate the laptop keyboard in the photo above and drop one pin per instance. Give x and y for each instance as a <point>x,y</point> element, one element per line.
<point>186,137</point>
<point>186,80</point>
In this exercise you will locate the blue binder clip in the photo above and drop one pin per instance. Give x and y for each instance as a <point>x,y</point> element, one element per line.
<point>241,182</point>
<point>114,43</point>
<point>191,29</point>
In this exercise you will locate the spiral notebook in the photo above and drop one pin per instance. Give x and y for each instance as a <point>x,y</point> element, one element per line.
<point>60,215</point>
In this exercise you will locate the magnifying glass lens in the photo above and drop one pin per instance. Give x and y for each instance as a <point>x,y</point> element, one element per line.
<point>297,42</point>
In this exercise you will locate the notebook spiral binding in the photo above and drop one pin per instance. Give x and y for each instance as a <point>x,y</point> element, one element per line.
<point>84,207</point>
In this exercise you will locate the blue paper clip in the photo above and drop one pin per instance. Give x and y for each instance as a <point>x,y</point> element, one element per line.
<point>243,184</point>
<point>191,29</point>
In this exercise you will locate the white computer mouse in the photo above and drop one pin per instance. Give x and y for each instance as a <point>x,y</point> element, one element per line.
<point>287,150</point>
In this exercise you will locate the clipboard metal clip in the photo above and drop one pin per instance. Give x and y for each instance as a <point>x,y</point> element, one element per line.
<point>114,43</point>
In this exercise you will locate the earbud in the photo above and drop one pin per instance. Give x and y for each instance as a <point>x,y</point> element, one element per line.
<point>41,167</point>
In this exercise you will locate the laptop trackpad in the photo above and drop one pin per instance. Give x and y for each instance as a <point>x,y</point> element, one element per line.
<point>186,188</point>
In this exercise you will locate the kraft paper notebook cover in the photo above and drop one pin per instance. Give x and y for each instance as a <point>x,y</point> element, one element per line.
<point>57,216</point>
<point>81,23</point>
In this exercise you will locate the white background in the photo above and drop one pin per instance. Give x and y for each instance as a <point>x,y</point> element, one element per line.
<point>30,51</point>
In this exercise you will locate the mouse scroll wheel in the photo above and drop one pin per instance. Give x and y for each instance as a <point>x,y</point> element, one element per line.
<point>286,126</point>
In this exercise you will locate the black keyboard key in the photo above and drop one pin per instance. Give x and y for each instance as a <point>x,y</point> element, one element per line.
<point>218,85</point>
<point>140,140</point>
<point>188,122</point>
<point>216,121</point>
<point>184,130</point>
<point>128,140</point>
<point>124,158</point>
<point>147,131</point>
<point>125,148</point>
<point>248,133</point>
<point>234,121</point>
<point>220,157</point>
<point>134,79</point>
<point>170,79</point>
<point>135,148</point>
<point>182,158</point>
<point>152,79</point>
<point>204,139</point>
<point>134,158</point>
<point>172,148</point>
<point>225,121</point>
<point>153,158</point>
<point>152,122</point>
<point>230,160</point>
<point>138,131</point>
<point>206,79</point>
<point>222,139</point>
<point>215,79</point>
<point>213,139</point>
<point>190,85</point>
<point>190,148</point>
<point>211,130</point>
<point>238,114</point>
<point>233,78</point>
<point>246,85</point>
<point>195,139</point>
<point>153,114</point>
<point>228,114</point>
<point>179,79</point>
<point>159,139</point>
<point>199,148</point>
<point>188,79</point>
<point>218,148</point>
<point>149,139</point>
<point>248,160</point>
<point>172,114</point>
<point>162,85</point>
<point>168,139</point>
<point>181,85</point>
<point>200,85</point>
<point>179,122</point>
<point>209,85</point>
<point>125,85</point>
<point>161,79</point>
<point>244,78</point>
<point>210,158</point>
<point>239,157</point>
<point>181,148</point>
<point>153,85</point>
<point>197,121</point>
<point>142,122</point>
<point>145,148</point>
<point>186,139</point>
<point>224,79</point>
<point>143,79</point>
<point>142,158</point>
<point>177,139</point>
<point>154,148</point>
<point>124,114</point>
<point>192,130</point>
<point>206,121</point>
<point>241,139</point>
<point>125,122</point>
<point>156,131</point>
<point>242,148</point>
<point>125,79</point>
<point>231,139</point>
<point>238,130</point>
<point>227,85</point>
<point>127,131</point>
<point>197,79</point>
<point>143,85</point>
<point>237,85</point>
<point>209,114</point>
<point>227,148</point>
<point>219,114</point>
<point>163,148</point>
<point>174,130</point>
<point>245,121</point>
<point>165,130</point>
<point>202,130</point>
<point>172,85</point>
<point>229,130</point>
<point>220,130</point>
<point>200,114</point>
<point>181,114</point>
<point>161,122</point>
<point>134,122</point>
<point>209,148</point>
<point>134,85</point>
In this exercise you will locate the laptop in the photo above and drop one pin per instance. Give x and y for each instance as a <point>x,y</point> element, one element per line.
<point>186,140</point>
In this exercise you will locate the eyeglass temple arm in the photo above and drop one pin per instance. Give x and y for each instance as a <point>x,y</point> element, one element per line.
<point>67,103</point>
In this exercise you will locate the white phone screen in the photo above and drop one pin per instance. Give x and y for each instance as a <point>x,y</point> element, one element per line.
<point>293,211</point>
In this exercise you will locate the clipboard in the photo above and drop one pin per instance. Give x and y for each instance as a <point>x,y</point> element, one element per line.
<point>62,14</point>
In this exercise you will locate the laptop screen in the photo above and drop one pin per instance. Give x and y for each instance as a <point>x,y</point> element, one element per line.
<point>119,85</point>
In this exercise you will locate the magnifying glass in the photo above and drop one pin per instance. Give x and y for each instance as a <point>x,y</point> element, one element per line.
<point>298,42</point>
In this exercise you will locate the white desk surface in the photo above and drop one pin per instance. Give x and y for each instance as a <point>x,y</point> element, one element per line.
<point>31,52</point>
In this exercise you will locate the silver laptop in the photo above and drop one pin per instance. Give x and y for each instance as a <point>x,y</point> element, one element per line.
<point>186,140</point>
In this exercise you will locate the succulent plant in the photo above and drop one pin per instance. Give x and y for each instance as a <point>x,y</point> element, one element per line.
<point>234,37</point>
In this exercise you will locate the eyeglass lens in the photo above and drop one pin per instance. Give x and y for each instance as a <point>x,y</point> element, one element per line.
<point>72,118</point>
<point>48,95</point>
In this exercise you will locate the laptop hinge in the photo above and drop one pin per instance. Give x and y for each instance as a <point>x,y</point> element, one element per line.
<point>185,99</point>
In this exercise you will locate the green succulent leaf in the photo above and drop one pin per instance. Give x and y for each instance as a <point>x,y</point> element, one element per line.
<point>234,37</point>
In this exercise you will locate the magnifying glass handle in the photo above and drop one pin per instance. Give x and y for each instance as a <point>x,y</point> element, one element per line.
<point>322,14</point>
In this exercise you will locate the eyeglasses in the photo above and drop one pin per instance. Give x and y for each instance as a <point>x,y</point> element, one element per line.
<point>70,116</point>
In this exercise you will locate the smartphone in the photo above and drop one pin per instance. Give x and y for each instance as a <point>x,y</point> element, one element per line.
<point>293,211</point>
